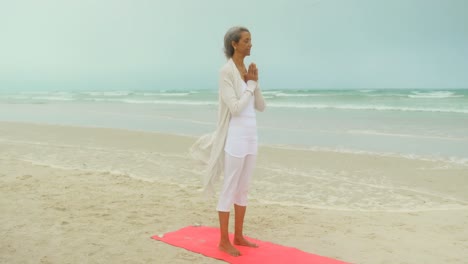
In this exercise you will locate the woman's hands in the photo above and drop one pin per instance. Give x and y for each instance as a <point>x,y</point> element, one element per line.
<point>252,73</point>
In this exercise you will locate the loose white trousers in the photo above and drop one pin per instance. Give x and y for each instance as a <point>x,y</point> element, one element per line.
<point>237,175</point>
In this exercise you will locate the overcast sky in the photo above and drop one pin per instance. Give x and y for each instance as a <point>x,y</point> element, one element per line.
<point>177,44</point>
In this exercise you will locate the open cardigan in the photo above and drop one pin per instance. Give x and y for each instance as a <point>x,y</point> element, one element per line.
<point>209,148</point>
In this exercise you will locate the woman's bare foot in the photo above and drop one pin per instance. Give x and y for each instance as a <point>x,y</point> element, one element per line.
<point>241,241</point>
<point>228,248</point>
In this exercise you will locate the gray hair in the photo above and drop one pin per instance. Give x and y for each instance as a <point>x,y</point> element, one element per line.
<point>233,34</point>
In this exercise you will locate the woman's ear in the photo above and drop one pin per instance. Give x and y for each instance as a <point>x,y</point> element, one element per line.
<point>234,45</point>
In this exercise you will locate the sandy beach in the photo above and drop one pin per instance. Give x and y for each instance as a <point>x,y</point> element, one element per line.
<point>97,195</point>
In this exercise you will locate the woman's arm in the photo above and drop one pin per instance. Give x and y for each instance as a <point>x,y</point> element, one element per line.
<point>259,100</point>
<point>252,74</point>
<point>228,95</point>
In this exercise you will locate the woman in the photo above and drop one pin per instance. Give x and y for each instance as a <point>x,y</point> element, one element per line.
<point>232,148</point>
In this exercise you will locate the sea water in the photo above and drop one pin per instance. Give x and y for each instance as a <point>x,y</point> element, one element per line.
<point>407,122</point>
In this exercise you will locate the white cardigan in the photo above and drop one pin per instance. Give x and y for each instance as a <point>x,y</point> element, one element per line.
<point>209,148</point>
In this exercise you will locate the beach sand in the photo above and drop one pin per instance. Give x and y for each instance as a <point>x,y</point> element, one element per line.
<point>97,195</point>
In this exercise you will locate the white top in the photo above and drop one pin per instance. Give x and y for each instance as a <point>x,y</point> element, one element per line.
<point>242,133</point>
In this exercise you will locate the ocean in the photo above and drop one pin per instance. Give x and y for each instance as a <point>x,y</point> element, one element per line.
<point>423,124</point>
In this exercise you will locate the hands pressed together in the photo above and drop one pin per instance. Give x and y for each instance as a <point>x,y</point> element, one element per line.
<point>252,73</point>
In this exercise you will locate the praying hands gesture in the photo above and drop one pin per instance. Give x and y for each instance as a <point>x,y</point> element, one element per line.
<point>252,73</point>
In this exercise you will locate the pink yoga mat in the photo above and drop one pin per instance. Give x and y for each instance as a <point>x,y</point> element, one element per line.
<point>204,240</point>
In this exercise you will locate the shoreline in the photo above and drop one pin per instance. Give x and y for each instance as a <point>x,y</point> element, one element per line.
<point>417,134</point>
<point>463,161</point>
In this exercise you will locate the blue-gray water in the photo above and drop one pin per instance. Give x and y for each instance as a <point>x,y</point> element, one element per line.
<point>420,123</point>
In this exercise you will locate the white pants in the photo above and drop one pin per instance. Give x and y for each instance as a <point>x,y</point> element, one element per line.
<point>237,175</point>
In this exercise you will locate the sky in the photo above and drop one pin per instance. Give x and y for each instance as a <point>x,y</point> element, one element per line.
<point>178,44</point>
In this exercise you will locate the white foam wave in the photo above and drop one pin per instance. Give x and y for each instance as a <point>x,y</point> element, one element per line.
<point>434,95</point>
<point>386,95</point>
<point>317,93</point>
<point>270,92</point>
<point>109,93</point>
<point>366,91</point>
<point>160,102</point>
<point>295,95</point>
<point>35,93</point>
<point>379,133</point>
<point>172,94</point>
<point>366,107</point>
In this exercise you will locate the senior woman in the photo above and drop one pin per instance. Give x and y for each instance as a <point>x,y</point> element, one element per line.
<point>232,148</point>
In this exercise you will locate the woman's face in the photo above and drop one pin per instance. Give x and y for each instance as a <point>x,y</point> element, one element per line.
<point>244,45</point>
